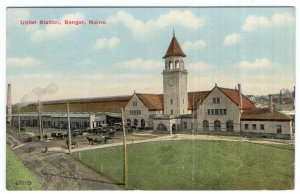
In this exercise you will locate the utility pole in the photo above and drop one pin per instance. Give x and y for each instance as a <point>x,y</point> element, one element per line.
<point>19,119</point>
<point>69,128</point>
<point>40,121</point>
<point>125,152</point>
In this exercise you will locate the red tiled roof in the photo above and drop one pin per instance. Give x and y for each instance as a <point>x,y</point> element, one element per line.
<point>174,49</point>
<point>156,101</point>
<point>263,115</point>
<point>234,97</point>
<point>196,97</point>
<point>152,101</point>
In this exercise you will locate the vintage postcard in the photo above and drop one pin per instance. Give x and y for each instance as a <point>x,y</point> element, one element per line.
<point>150,98</point>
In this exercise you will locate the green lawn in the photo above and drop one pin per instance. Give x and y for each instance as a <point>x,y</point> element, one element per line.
<point>18,177</point>
<point>216,165</point>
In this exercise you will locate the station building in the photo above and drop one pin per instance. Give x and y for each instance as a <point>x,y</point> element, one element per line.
<point>217,111</point>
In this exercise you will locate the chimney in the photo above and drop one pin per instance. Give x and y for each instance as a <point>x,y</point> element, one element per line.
<point>271,103</point>
<point>240,96</point>
<point>9,105</point>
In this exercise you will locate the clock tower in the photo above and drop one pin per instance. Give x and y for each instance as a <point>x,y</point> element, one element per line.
<point>175,80</point>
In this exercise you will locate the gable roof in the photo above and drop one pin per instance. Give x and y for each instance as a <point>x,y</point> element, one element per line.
<point>263,115</point>
<point>152,101</point>
<point>174,49</point>
<point>233,95</point>
<point>196,97</point>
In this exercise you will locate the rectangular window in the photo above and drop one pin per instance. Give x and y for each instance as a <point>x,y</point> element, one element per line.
<point>185,125</point>
<point>216,111</point>
<point>262,127</point>
<point>212,111</point>
<point>278,129</point>
<point>171,111</point>
<point>253,126</point>
<point>134,103</point>
<point>208,111</point>
<point>246,126</point>
<point>225,111</point>
<point>221,111</point>
<point>171,101</point>
<point>182,101</point>
<point>216,100</point>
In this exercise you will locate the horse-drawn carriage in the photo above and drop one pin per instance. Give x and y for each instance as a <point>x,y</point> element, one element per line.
<point>100,140</point>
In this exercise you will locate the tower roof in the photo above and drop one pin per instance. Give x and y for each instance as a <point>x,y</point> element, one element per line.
<point>174,49</point>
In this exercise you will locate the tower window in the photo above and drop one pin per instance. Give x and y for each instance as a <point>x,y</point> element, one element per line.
<point>171,111</point>
<point>171,65</point>
<point>177,64</point>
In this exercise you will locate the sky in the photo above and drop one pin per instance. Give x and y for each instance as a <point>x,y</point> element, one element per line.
<point>224,46</point>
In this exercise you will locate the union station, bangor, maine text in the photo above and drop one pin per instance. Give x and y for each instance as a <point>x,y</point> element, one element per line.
<point>65,22</point>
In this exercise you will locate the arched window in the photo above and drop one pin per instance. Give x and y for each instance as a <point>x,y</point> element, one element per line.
<point>205,125</point>
<point>135,122</point>
<point>171,65</point>
<point>128,123</point>
<point>217,125</point>
<point>177,64</point>
<point>229,125</point>
<point>173,128</point>
<point>143,123</point>
<point>161,127</point>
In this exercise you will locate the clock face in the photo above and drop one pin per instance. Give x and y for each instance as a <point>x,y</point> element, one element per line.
<point>171,82</point>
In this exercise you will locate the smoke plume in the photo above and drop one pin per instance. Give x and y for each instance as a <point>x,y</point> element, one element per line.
<point>37,94</point>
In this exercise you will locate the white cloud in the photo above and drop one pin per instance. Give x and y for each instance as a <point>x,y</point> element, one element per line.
<point>232,39</point>
<point>55,31</point>
<point>103,43</point>
<point>282,19</point>
<point>14,15</point>
<point>139,63</point>
<point>199,44</point>
<point>253,22</point>
<point>257,64</point>
<point>22,62</point>
<point>141,29</point>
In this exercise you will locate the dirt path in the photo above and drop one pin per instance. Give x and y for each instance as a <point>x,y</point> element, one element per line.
<point>189,137</point>
<point>57,170</point>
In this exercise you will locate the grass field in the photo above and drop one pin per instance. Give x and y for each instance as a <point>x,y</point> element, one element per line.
<point>18,176</point>
<point>197,165</point>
